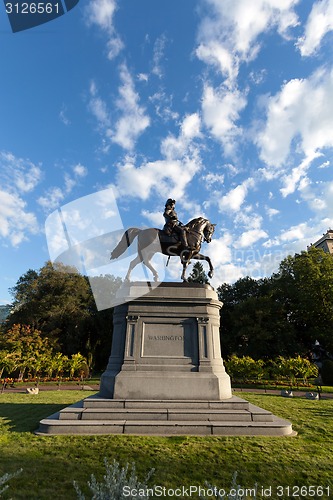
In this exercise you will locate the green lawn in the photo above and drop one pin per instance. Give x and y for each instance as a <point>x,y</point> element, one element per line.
<point>50,464</point>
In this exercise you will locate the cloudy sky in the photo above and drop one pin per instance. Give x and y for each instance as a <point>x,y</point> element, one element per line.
<point>224,105</point>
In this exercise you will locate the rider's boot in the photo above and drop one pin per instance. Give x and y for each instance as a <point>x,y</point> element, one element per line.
<point>183,240</point>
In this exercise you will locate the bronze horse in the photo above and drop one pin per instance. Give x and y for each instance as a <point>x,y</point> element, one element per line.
<point>152,240</point>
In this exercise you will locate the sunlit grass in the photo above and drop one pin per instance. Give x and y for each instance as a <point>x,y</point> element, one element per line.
<point>50,464</point>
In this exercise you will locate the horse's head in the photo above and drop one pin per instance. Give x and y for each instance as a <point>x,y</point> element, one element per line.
<point>208,231</point>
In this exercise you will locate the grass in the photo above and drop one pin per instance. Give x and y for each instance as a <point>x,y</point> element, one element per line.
<point>50,464</point>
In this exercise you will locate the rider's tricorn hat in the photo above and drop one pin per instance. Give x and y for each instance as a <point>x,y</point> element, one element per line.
<point>170,202</point>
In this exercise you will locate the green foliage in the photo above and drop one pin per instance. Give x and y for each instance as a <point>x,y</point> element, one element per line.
<point>118,483</point>
<point>304,287</point>
<point>23,350</point>
<point>282,315</point>
<point>198,274</point>
<point>58,302</point>
<point>327,372</point>
<point>246,369</point>
<point>294,368</point>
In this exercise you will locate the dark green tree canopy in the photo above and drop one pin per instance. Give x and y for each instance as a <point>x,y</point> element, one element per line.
<point>198,274</point>
<point>282,315</point>
<point>58,301</point>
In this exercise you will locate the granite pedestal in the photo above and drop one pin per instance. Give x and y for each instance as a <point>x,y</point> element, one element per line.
<point>166,345</point>
<point>165,374</point>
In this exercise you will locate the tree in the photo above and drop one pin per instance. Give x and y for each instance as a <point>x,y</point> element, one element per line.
<point>198,274</point>
<point>58,302</point>
<point>304,287</point>
<point>253,322</point>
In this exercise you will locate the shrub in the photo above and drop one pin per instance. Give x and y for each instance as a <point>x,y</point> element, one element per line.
<point>5,478</point>
<point>116,484</point>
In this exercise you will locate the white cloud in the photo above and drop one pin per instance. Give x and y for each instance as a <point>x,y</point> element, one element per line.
<point>98,107</point>
<point>319,197</point>
<point>247,238</point>
<point>159,48</point>
<point>20,174</point>
<point>15,221</point>
<point>271,212</point>
<point>18,177</point>
<point>211,179</point>
<point>234,199</point>
<point>63,116</point>
<point>297,175</point>
<point>229,33</point>
<point>221,109</point>
<point>319,23</point>
<point>163,176</point>
<point>215,54</point>
<point>298,232</point>
<point>163,106</point>
<point>54,196</point>
<point>101,13</point>
<point>80,170</point>
<point>219,249</point>
<point>175,147</point>
<point>155,218</point>
<point>143,77</point>
<point>134,120</point>
<point>290,123</point>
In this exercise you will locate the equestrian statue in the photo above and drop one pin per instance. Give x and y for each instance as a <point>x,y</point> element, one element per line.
<point>175,239</point>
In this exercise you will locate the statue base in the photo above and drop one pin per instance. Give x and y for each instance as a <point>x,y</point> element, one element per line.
<point>166,345</point>
<point>165,375</point>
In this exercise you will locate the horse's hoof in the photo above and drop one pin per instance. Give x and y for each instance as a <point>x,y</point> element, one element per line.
<point>210,274</point>
<point>156,278</point>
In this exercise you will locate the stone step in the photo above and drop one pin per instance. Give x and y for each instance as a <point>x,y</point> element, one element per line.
<point>221,418</point>
<point>163,414</point>
<point>54,426</point>
<point>234,403</point>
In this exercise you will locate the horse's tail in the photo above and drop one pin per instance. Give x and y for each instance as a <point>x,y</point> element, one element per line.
<point>126,240</point>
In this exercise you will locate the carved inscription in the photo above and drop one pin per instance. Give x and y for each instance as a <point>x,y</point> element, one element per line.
<point>163,340</point>
<point>165,337</point>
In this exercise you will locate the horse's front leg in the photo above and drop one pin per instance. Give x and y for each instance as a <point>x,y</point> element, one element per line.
<point>199,256</point>
<point>183,277</point>
<point>186,259</point>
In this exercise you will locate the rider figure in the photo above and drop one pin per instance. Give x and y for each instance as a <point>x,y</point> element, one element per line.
<point>172,224</point>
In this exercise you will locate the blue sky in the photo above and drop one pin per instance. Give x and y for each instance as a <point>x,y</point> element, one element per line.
<point>224,105</point>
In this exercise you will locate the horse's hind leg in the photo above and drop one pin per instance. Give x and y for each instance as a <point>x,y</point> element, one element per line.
<point>132,265</point>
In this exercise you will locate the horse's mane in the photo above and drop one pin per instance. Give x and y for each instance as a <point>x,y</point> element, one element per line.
<point>193,222</point>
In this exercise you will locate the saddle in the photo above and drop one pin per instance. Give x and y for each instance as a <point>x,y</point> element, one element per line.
<point>169,239</point>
